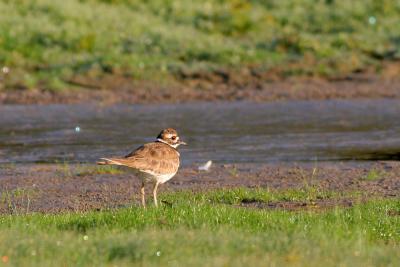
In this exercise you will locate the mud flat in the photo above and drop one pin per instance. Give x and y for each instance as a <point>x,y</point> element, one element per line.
<point>60,188</point>
<point>215,87</point>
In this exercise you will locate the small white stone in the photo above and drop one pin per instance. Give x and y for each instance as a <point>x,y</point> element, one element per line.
<point>158,253</point>
<point>77,129</point>
<point>5,69</point>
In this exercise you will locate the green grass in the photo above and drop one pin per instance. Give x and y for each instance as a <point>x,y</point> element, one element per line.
<point>65,169</point>
<point>373,175</point>
<point>83,170</point>
<point>46,43</point>
<point>204,230</point>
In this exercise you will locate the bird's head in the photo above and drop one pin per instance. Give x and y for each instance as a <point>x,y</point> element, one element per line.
<point>170,137</point>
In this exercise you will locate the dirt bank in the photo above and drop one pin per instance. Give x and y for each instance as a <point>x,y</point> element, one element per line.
<point>53,188</point>
<point>216,86</point>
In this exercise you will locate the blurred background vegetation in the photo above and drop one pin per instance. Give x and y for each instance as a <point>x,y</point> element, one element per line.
<point>45,43</point>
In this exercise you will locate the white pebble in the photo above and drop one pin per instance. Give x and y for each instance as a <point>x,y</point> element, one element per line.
<point>5,69</point>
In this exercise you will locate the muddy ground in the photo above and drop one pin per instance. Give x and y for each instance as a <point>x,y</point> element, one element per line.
<point>55,188</point>
<point>247,85</point>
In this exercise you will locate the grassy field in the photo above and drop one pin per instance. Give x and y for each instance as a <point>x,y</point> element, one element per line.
<point>209,230</point>
<point>46,43</point>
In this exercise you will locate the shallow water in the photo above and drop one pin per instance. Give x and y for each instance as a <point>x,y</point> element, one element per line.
<point>223,132</point>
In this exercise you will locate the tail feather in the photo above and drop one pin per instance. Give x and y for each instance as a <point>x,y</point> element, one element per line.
<point>106,161</point>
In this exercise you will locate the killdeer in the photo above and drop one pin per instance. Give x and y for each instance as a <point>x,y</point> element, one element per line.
<point>156,162</point>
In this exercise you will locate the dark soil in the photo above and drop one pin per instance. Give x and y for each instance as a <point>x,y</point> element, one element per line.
<point>247,85</point>
<point>52,188</point>
<point>318,204</point>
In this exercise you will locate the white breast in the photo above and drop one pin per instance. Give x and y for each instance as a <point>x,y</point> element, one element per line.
<point>165,177</point>
<point>150,176</point>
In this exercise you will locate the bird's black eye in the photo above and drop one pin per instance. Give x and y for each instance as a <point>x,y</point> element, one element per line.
<point>173,137</point>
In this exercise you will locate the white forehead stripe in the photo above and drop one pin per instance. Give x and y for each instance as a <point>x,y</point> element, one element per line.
<point>169,135</point>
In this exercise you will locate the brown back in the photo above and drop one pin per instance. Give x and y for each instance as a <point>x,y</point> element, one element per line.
<point>156,157</point>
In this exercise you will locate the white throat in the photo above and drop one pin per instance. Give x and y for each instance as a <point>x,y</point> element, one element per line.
<point>162,141</point>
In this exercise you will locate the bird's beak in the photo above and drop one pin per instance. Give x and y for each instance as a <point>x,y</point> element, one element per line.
<point>182,143</point>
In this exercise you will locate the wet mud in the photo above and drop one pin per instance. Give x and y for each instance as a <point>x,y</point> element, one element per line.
<point>218,86</point>
<point>53,188</point>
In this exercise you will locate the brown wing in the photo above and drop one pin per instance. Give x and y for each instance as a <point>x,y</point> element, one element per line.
<point>156,157</point>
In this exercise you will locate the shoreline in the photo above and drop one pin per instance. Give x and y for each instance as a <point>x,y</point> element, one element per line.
<point>206,90</point>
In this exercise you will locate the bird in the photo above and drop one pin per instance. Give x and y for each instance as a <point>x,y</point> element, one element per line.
<point>155,162</point>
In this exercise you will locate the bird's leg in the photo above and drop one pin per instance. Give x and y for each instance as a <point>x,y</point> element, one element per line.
<point>155,193</point>
<point>142,194</point>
